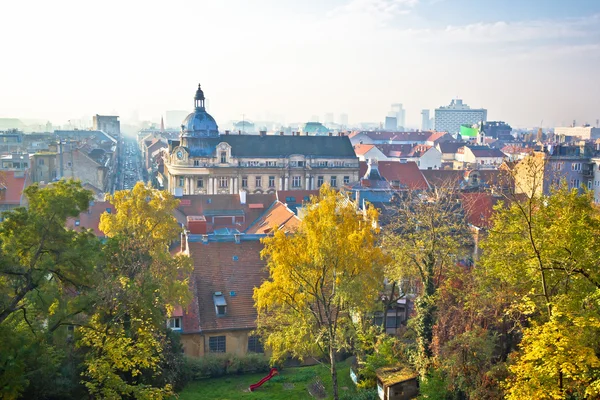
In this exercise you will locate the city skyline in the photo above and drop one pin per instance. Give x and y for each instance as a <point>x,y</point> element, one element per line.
<point>522,62</point>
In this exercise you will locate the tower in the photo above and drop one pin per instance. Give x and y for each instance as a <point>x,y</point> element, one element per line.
<point>199,99</point>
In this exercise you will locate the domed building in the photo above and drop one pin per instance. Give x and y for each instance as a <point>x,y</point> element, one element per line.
<point>204,162</point>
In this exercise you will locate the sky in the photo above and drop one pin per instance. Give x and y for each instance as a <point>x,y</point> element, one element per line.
<point>526,61</point>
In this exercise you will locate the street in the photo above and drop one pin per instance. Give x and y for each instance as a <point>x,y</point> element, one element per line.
<point>130,170</point>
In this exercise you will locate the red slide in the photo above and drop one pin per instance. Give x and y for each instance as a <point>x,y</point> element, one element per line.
<point>272,373</point>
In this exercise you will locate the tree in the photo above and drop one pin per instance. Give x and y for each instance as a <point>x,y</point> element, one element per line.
<point>426,237</point>
<point>329,270</point>
<point>141,281</point>
<point>46,272</point>
<point>544,251</point>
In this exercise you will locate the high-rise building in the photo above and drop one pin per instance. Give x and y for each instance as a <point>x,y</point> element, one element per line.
<point>391,123</point>
<point>425,120</point>
<point>328,118</point>
<point>400,114</point>
<point>108,124</point>
<point>344,120</point>
<point>450,118</point>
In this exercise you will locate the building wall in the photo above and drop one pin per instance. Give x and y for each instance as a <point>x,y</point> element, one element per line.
<point>584,132</point>
<point>450,120</point>
<point>432,159</point>
<point>44,167</point>
<point>596,179</point>
<point>197,344</point>
<point>77,165</point>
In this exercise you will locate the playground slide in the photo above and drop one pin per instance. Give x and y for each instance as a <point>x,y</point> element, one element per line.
<point>272,373</point>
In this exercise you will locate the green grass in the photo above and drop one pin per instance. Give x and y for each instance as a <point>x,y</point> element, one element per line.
<point>292,383</point>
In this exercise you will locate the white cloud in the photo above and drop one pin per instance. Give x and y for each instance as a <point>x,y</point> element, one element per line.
<point>379,12</point>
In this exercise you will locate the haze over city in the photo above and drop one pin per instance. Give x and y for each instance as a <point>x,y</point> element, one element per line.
<point>524,61</point>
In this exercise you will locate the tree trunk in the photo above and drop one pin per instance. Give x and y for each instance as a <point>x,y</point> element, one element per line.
<point>333,373</point>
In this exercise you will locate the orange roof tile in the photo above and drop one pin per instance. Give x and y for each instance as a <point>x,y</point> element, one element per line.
<point>278,216</point>
<point>12,185</point>
<point>407,174</point>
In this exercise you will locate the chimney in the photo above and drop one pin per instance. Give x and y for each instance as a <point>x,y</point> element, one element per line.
<point>281,133</point>
<point>242,196</point>
<point>196,224</point>
<point>306,133</point>
<point>263,133</point>
<point>237,238</point>
<point>330,133</point>
<point>227,132</point>
<point>239,132</point>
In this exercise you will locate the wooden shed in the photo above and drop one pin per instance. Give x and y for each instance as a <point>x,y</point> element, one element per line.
<point>397,383</point>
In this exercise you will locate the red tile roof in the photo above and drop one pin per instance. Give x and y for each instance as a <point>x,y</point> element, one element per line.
<point>436,136</point>
<point>403,150</point>
<point>478,207</point>
<point>408,174</point>
<point>361,149</point>
<point>278,216</point>
<point>91,218</point>
<point>233,269</point>
<point>12,184</point>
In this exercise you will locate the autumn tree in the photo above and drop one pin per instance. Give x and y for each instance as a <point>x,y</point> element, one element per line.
<point>426,235</point>
<point>329,270</point>
<point>544,249</point>
<point>46,274</point>
<point>140,283</point>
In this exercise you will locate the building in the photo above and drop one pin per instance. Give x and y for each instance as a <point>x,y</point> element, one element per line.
<point>391,123</point>
<point>108,124</point>
<point>425,121</point>
<point>450,118</point>
<point>44,166</point>
<point>582,132</point>
<point>498,130</point>
<point>400,114</point>
<point>204,162</point>
<point>344,120</point>
<point>14,162</point>
<point>379,137</point>
<point>12,185</point>
<point>473,156</point>
<point>314,129</point>
<point>397,383</point>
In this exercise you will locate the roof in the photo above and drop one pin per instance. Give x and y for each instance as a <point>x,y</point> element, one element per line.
<point>277,145</point>
<point>436,136</point>
<point>485,151</point>
<point>361,149</point>
<point>278,216</point>
<point>234,269</point>
<point>393,375</point>
<point>12,184</point>
<point>478,207</point>
<point>407,174</point>
<point>450,147</point>
<point>443,177</point>
<point>224,205</point>
<point>403,150</point>
<point>90,219</point>
<point>398,136</point>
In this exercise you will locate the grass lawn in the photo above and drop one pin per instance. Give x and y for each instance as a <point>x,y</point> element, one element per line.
<point>292,383</point>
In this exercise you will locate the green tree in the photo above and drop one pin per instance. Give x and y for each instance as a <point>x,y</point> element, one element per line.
<point>140,283</point>
<point>426,237</point>
<point>46,272</point>
<point>330,269</point>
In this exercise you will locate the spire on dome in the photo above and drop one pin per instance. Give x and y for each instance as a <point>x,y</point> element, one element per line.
<point>199,98</point>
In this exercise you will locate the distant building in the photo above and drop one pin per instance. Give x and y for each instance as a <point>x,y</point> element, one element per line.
<point>449,118</point>
<point>400,114</point>
<point>583,132</point>
<point>108,124</point>
<point>315,129</point>
<point>173,118</point>
<point>14,162</point>
<point>344,120</point>
<point>391,123</point>
<point>497,130</point>
<point>425,126</point>
<point>245,127</point>
<point>329,118</point>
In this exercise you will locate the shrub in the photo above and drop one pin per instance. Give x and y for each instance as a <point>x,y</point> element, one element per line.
<point>365,394</point>
<point>215,365</point>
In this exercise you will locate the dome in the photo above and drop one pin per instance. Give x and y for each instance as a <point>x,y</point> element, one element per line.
<point>199,123</point>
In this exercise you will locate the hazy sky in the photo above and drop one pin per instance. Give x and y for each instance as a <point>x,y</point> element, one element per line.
<point>523,60</point>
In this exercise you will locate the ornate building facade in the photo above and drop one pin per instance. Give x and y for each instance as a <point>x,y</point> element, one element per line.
<point>204,162</point>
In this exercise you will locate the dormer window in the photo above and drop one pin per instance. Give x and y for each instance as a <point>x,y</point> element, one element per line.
<point>220,304</point>
<point>223,157</point>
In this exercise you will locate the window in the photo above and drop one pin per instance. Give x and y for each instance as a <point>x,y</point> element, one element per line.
<point>223,157</point>
<point>41,161</point>
<point>244,181</point>
<point>174,323</point>
<point>196,163</point>
<point>575,183</point>
<point>271,181</point>
<point>322,163</point>
<point>576,167</point>
<point>181,182</point>
<point>391,321</point>
<point>216,344</point>
<point>223,182</point>
<point>69,164</point>
<point>346,180</point>
<point>319,181</point>
<point>221,310</point>
<point>200,183</point>
<point>255,345</point>
<point>258,181</point>
<point>77,222</point>
<point>590,185</point>
<point>253,163</point>
<point>301,163</point>
<point>338,163</point>
<point>334,181</point>
<point>296,181</point>
<point>271,163</point>
<point>558,166</point>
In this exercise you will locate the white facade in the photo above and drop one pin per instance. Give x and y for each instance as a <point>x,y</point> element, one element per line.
<point>584,132</point>
<point>449,118</point>
<point>596,179</point>
<point>425,120</point>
